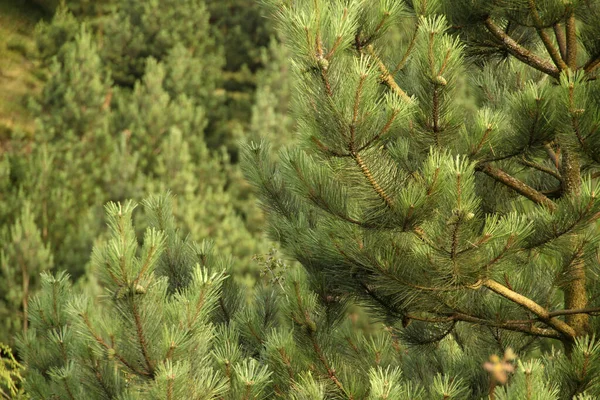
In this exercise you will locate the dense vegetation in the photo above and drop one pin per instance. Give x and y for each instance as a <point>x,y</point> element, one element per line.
<point>429,170</point>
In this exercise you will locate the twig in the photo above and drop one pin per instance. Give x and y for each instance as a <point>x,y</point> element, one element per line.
<point>541,168</point>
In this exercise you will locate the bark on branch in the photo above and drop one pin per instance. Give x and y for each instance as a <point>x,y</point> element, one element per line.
<point>520,52</point>
<point>528,304</point>
<point>517,185</point>
<point>386,76</point>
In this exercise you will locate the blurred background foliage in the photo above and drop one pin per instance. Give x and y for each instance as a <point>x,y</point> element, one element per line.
<point>119,99</point>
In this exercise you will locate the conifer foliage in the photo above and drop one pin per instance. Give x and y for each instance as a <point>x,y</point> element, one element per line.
<point>473,223</point>
<point>170,323</point>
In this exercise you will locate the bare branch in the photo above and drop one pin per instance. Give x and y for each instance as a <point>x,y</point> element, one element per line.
<point>572,40</point>
<point>521,52</point>
<point>541,168</point>
<point>592,64</point>
<point>528,304</point>
<point>517,185</point>
<point>590,311</point>
<point>553,51</point>
<point>559,33</point>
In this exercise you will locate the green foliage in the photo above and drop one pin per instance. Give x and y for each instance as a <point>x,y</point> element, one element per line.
<point>139,30</point>
<point>270,113</point>
<point>23,256</point>
<point>51,37</point>
<point>437,213</point>
<point>170,321</point>
<point>97,139</point>
<point>243,29</point>
<point>10,374</point>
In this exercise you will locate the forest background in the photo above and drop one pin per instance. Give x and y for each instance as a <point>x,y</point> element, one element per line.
<point>162,105</point>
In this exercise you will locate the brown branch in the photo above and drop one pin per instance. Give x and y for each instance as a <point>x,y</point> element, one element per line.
<point>107,347</point>
<point>516,326</point>
<point>487,132</point>
<point>383,131</point>
<point>520,52</point>
<point>25,285</point>
<point>517,185</point>
<point>552,155</point>
<point>590,311</point>
<point>528,304</point>
<point>319,201</point>
<point>356,109</point>
<point>572,40</point>
<point>436,115</point>
<point>68,389</point>
<point>386,77</point>
<point>141,337</point>
<point>541,168</point>
<point>308,324</point>
<point>592,64</point>
<point>326,82</point>
<point>145,266</point>
<point>411,46</point>
<point>559,33</point>
<point>380,25</point>
<point>369,176</point>
<point>328,150</point>
<point>553,51</point>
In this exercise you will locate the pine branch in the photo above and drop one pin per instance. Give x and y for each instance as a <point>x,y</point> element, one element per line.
<point>559,33</point>
<point>141,337</point>
<point>309,326</point>
<point>553,156</point>
<point>517,185</point>
<point>520,52</point>
<point>386,77</point>
<point>322,203</point>
<point>554,53</point>
<point>568,229</point>
<point>68,389</point>
<point>371,179</point>
<point>356,109</point>
<point>541,168</point>
<point>591,311</point>
<point>101,342</point>
<point>328,150</point>
<point>592,64</point>
<point>380,25</point>
<point>411,45</point>
<point>572,40</point>
<point>436,115</point>
<point>515,326</point>
<point>383,131</point>
<point>528,304</point>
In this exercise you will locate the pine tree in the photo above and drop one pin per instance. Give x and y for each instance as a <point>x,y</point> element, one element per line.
<point>138,30</point>
<point>471,221</point>
<point>50,183</point>
<point>270,112</point>
<point>23,256</point>
<point>170,322</point>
